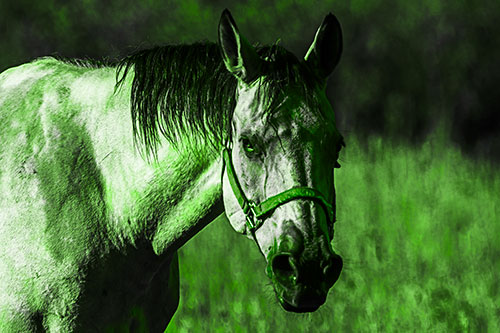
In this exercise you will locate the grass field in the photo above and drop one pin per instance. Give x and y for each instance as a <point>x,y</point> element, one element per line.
<point>419,231</point>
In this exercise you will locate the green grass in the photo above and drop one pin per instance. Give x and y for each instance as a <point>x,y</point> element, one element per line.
<point>419,231</point>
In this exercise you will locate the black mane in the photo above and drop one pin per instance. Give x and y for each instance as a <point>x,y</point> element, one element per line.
<point>185,91</point>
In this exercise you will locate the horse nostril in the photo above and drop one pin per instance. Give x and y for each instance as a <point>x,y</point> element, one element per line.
<point>284,269</point>
<point>332,271</point>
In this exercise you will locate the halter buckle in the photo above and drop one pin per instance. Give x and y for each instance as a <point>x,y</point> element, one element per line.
<point>251,216</point>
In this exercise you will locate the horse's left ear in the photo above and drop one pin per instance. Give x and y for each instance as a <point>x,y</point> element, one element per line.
<point>239,56</point>
<point>324,53</point>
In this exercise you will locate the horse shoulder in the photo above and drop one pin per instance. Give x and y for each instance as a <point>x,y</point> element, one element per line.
<point>52,207</point>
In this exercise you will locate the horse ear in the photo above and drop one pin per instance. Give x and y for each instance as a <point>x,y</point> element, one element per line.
<point>239,56</point>
<point>324,53</point>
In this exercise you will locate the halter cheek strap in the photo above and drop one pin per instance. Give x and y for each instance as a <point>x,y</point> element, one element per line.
<point>256,213</point>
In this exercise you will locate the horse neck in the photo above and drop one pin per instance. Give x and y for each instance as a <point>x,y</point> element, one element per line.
<point>161,202</point>
<point>192,186</point>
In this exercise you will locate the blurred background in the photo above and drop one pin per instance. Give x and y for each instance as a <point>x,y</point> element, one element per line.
<point>415,95</point>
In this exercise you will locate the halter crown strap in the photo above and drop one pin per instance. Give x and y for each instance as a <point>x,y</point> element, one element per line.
<point>255,212</point>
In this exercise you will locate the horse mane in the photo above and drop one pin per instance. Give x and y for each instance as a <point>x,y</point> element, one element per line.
<point>83,62</point>
<point>185,92</point>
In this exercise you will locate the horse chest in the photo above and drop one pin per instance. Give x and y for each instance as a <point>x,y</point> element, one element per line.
<point>129,292</point>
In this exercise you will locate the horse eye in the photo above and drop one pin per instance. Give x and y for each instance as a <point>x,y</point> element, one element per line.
<point>247,146</point>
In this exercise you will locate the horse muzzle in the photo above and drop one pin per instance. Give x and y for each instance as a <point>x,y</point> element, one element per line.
<point>302,282</point>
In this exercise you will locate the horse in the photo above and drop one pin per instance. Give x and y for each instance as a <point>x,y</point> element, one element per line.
<point>106,170</point>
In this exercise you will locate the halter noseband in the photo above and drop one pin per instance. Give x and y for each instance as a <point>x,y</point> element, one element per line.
<point>256,213</point>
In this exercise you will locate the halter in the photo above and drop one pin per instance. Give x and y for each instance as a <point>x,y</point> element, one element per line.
<point>256,213</point>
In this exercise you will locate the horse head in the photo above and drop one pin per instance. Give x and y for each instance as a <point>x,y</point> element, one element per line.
<point>279,156</point>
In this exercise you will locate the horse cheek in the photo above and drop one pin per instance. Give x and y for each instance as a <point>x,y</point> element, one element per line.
<point>233,211</point>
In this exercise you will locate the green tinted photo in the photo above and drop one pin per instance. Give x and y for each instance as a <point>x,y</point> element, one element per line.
<point>208,166</point>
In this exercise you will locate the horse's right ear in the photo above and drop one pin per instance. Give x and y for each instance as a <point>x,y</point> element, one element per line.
<point>239,56</point>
